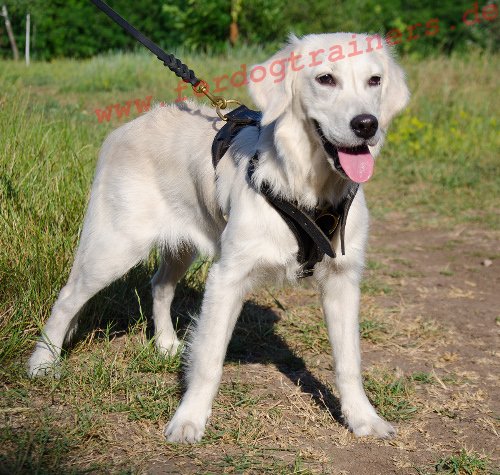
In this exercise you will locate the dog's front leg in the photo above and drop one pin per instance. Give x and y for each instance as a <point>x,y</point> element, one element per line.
<point>340,296</point>
<point>226,288</point>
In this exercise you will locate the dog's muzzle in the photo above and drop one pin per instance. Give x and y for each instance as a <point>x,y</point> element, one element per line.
<point>354,163</point>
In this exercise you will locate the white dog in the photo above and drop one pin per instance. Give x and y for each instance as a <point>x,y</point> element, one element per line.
<point>155,186</point>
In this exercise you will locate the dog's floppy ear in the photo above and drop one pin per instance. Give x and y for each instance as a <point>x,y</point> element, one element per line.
<point>271,83</point>
<point>395,93</point>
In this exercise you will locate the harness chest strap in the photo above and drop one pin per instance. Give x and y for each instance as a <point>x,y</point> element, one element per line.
<point>313,230</point>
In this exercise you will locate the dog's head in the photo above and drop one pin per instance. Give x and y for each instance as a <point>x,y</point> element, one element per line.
<point>346,87</point>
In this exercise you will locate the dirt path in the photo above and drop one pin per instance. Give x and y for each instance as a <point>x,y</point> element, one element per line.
<point>430,325</point>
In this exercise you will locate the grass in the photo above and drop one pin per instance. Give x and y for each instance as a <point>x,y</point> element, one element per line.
<point>39,451</point>
<point>115,391</point>
<point>465,462</point>
<point>391,395</point>
<point>441,154</point>
<point>261,462</point>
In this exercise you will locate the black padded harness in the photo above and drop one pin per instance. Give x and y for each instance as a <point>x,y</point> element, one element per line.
<point>313,229</point>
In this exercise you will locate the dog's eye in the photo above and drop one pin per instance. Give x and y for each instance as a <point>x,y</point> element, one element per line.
<point>374,81</point>
<point>326,80</point>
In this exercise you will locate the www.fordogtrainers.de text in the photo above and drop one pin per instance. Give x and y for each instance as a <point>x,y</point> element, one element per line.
<point>277,69</point>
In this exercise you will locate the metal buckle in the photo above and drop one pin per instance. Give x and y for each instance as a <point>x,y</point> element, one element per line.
<point>218,102</point>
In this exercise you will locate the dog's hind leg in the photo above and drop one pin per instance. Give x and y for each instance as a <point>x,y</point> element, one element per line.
<point>171,270</point>
<point>103,256</point>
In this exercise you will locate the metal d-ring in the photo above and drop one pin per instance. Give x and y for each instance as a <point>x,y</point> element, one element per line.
<point>335,223</point>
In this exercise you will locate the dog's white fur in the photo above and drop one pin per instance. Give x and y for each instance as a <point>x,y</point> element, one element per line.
<point>155,186</point>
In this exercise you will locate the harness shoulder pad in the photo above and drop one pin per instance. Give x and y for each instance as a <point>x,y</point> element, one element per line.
<point>237,120</point>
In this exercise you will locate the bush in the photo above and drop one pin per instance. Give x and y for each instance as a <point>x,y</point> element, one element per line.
<point>76,28</point>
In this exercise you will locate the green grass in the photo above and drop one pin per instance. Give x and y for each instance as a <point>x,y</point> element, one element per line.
<point>463,463</point>
<point>95,390</point>
<point>391,395</point>
<point>260,462</point>
<point>371,329</point>
<point>439,166</point>
<point>39,450</point>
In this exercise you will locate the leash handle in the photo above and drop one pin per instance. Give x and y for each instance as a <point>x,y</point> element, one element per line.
<point>169,60</point>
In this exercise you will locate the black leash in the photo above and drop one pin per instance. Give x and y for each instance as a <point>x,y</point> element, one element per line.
<point>169,60</point>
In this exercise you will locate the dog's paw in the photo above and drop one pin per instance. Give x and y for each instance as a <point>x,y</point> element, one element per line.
<point>183,430</point>
<point>374,426</point>
<point>167,346</point>
<point>364,421</point>
<point>43,363</point>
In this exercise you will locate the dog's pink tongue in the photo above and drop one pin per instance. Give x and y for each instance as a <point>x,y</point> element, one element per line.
<point>357,163</point>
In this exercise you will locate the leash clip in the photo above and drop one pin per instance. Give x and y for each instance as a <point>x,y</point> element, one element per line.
<point>218,102</point>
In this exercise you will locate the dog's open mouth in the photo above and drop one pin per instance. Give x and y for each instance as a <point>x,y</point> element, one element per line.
<point>356,163</point>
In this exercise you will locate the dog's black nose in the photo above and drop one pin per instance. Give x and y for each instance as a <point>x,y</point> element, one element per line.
<point>364,125</point>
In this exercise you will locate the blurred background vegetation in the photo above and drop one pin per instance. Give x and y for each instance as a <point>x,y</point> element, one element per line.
<point>75,28</point>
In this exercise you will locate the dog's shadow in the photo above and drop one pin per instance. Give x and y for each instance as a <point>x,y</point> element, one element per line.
<point>115,310</point>
<point>255,341</point>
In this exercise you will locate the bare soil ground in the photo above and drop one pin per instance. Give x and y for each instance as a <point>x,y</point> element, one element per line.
<point>430,321</point>
<point>438,309</point>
